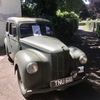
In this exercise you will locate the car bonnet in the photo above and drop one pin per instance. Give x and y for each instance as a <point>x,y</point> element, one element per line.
<point>45,43</point>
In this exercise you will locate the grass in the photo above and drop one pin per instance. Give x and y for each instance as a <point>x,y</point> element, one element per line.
<point>82,23</point>
<point>86,24</point>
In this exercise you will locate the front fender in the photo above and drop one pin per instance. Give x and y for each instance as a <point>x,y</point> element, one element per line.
<point>24,57</point>
<point>75,52</point>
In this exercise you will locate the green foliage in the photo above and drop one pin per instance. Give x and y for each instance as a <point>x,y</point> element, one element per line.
<point>82,23</point>
<point>70,5</point>
<point>66,14</point>
<point>26,10</point>
<point>45,8</point>
<point>97,31</point>
<point>89,24</point>
<point>66,24</point>
<point>93,25</point>
<point>39,8</point>
<point>88,19</point>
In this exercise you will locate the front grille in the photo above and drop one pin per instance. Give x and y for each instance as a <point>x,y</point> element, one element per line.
<point>60,64</point>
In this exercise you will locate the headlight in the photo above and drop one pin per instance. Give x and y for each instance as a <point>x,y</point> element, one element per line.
<point>32,68</point>
<point>83,59</point>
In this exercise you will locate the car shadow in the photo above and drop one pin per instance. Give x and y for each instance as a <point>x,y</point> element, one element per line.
<point>90,44</point>
<point>82,91</point>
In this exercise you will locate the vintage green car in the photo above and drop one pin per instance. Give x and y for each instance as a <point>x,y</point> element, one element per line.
<point>42,62</point>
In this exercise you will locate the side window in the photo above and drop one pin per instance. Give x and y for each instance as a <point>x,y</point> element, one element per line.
<point>25,30</point>
<point>36,30</point>
<point>12,29</point>
<point>48,30</point>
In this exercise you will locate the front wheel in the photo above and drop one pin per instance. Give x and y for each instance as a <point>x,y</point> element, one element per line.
<point>21,85</point>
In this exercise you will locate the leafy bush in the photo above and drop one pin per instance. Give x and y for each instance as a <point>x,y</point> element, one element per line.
<point>94,25</point>
<point>97,30</point>
<point>88,19</point>
<point>82,23</point>
<point>66,24</point>
<point>88,23</point>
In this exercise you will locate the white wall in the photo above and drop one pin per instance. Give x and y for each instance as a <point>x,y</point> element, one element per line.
<point>8,8</point>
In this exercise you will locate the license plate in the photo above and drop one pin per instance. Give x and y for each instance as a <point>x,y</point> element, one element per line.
<point>60,82</point>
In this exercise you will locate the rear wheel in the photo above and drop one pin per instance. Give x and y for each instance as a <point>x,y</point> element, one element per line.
<point>21,85</point>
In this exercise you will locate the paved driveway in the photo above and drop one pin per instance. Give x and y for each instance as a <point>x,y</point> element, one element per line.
<point>8,82</point>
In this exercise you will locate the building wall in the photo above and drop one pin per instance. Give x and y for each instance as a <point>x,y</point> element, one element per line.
<point>8,8</point>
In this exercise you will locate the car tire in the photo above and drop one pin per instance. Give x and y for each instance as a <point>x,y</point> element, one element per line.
<point>21,85</point>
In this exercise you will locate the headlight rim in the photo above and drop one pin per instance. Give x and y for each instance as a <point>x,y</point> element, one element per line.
<point>81,59</point>
<point>31,64</point>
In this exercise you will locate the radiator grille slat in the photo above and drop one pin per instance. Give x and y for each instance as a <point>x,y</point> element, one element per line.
<point>60,65</point>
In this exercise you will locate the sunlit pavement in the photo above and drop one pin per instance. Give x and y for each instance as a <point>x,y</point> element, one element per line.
<point>2,57</point>
<point>9,89</point>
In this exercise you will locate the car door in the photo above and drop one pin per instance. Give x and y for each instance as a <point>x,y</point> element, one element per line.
<point>12,39</point>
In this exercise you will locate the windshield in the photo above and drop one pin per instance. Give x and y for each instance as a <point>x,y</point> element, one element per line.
<point>28,29</point>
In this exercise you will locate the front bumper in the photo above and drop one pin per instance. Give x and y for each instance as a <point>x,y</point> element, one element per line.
<point>60,88</point>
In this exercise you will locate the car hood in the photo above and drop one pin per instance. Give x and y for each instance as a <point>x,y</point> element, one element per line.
<point>45,43</point>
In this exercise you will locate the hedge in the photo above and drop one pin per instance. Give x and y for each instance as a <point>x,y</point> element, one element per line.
<point>94,26</point>
<point>97,30</point>
<point>66,24</point>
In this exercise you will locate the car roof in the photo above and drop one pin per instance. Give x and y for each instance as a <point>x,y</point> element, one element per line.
<point>27,19</point>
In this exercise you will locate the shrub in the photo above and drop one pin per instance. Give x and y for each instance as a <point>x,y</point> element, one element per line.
<point>66,24</point>
<point>94,25</point>
<point>88,23</point>
<point>97,30</point>
<point>88,19</point>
